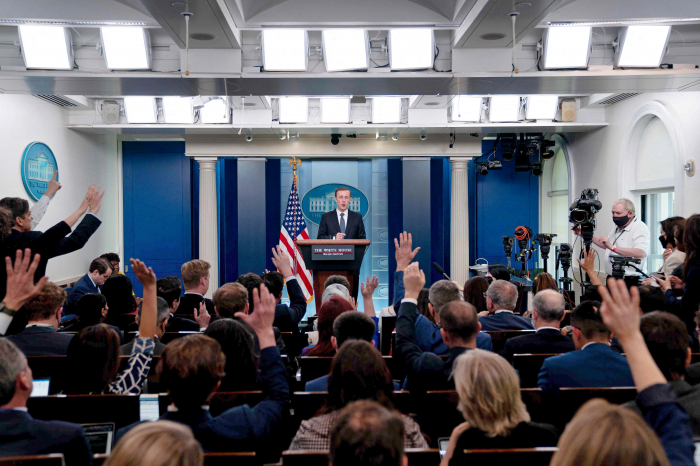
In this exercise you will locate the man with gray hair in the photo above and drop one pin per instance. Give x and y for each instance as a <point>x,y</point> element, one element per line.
<point>161,323</point>
<point>501,299</point>
<point>20,433</point>
<point>547,314</point>
<point>335,289</point>
<point>628,238</point>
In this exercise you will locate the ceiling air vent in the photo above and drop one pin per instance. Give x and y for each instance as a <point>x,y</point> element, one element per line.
<point>618,98</point>
<point>67,101</point>
<point>605,100</point>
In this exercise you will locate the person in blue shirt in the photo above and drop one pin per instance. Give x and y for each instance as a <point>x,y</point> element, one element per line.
<point>426,333</point>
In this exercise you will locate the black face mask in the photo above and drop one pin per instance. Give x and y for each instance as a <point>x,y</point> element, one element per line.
<point>621,220</point>
<point>667,242</point>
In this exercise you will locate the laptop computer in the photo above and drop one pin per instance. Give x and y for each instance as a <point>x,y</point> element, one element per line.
<point>100,436</point>
<point>41,387</point>
<point>149,409</point>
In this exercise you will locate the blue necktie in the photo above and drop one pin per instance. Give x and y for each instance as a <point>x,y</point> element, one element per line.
<point>342,223</point>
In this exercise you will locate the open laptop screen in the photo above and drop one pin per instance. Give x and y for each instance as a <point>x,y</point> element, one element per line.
<point>41,387</point>
<point>100,437</point>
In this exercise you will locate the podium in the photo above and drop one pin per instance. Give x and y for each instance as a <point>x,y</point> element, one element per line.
<point>326,257</point>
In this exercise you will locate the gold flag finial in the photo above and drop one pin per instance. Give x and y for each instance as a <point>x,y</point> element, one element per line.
<point>294,162</point>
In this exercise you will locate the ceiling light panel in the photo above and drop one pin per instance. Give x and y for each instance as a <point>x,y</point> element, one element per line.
<point>285,49</point>
<point>141,109</point>
<point>541,107</point>
<point>567,47</point>
<point>215,111</point>
<point>411,49</point>
<point>46,47</point>
<point>178,110</point>
<point>293,109</point>
<point>466,108</point>
<point>504,108</point>
<point>126,48</point>
<point>642,46</point>
<point>386,110</point>
<point>335,110</point>
<point>345,49</point>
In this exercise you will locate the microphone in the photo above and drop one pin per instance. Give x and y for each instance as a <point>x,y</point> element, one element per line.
<point>441,271</point>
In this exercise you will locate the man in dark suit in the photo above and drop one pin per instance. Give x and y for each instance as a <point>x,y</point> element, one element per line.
<point>666,337</point>
<point>40,337</point>
<point>191,382</point>
<point>341,223</point>
<point>425,370</point>
<point>170,290</point>
<point>195,276</point>
<point>287,318</point>
<point>547,314</point>
<point>161,323</point>
<point>594,363</point>
<point>98,273</point>
<point>20,433</point>
<point>501,300</point>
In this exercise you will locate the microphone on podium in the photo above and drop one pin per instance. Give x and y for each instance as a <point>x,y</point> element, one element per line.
<point>441,271</point>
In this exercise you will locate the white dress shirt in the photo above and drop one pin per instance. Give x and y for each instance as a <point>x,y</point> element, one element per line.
<point>337,213</point>
<point>39,209</point>
<point>633,236</point>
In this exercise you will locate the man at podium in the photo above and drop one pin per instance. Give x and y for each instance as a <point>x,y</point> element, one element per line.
<point>341,223</point>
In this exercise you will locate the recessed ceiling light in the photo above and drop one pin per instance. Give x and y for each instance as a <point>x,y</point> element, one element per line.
<point>493,36</point>
<point>202,36</point>
<point>431,104</point>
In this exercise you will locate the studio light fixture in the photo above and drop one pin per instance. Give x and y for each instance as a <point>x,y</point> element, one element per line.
<point>285,49</point>
<point>215,111</point>
<point>335,110</point>
<point>467,108</point>
<point>293,109</point>
<point>541,107</point>
<point>504,108</point>
<point>178,110</point>
<point>642,46</point>
<point>46,47</point>
<point>345,49</point>
<point>126,48</point>
<point>141,109</point>
<point>567,47</point>
<point>411,48</point>
<point>386,110</point>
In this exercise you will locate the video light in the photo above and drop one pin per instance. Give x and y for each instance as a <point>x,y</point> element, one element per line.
<point>285,49</point>
<point>541,107</point>
<point>293,109</point>
<point>504,108</point>
<point>411,48</point>
<point>345,49</point>
<point>642,46</point>
<point>126,48</point>
<point>178,110</point>
<point>466,108</point>
<point>386,110</point>
<point>141,109</point>
<point>567,47</point>
<point>335,110</point>
<point>46,47</point>
<point>215,111</point>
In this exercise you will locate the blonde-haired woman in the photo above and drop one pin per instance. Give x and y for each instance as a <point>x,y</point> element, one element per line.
<point>489,400</point>
<point>160,443</point>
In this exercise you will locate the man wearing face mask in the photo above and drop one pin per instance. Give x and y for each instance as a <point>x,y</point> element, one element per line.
<point>629,237</point>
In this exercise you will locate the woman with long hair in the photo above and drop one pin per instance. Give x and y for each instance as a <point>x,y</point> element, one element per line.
<point>358,373</point>
<point>120,296</point>
<point>474,290</point>
<point>160,443</point>
<point>91,309</point>
<point>241,362</point>
<point>330,310</point>
<point>544,281</point>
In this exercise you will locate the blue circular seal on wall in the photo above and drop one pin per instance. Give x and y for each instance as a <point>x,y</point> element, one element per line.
<point>321,199</point>
<point>38,165</point>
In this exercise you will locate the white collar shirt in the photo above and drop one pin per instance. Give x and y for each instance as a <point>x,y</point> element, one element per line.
<point>633,236</point>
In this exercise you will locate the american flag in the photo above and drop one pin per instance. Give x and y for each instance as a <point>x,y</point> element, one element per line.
<point>293,229</point>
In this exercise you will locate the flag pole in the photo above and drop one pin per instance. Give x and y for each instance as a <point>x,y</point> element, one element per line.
<point>294,162</point>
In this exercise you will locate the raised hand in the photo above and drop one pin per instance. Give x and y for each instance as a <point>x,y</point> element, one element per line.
<point>261,319</point>
<point>588,263</point>
<point>202,317</point>
<point>413,280</point>
<point>620,309</point>
<point>353,303</point>
<point>144,274</point>
<point>149,308</point>
<point>20,279</point>
<point>281,261</point>
<point>368,289</point>
<point>96,201</point>
<point>54,186</point>
<point>86,200</point>
<point>404,252</point>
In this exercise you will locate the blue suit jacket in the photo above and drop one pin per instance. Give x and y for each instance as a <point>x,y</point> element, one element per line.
<point>329,226</point>
<point>597,365</point>
<point>80,289</point>
<point>41,341</point>
<point>505,321</point>
<point>321,385</point>
<point>22,435</point>
<point>287,318</point>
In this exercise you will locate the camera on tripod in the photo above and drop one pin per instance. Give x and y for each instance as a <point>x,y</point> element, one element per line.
<point>582,214</point>
<point>545,242</point>
<point>565,255</point>
<point>620,262</point>
<point>483,168</point>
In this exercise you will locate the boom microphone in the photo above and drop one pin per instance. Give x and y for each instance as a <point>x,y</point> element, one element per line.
<point>441,271</point>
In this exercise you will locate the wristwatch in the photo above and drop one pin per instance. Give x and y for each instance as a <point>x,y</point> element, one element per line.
<point>7,310</point>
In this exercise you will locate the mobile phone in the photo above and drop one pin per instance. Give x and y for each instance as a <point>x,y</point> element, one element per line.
<point>442,446</point>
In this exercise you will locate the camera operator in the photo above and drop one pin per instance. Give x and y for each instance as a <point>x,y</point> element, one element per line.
<point>629,238</point>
